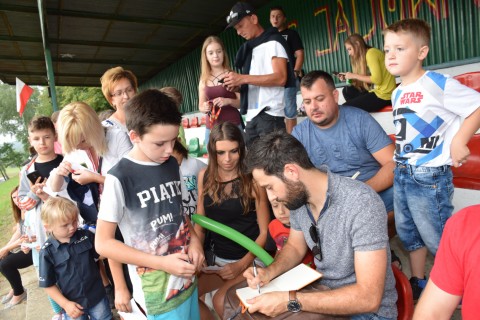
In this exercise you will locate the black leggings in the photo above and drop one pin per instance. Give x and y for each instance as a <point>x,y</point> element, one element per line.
<point>9,266</point>
<point>367,101</point>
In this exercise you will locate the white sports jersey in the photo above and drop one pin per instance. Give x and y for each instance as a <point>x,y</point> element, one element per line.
<point>427,114</point>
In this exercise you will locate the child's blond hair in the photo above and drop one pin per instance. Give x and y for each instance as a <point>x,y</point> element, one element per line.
<point>57,210</point>
<point>418,28</point>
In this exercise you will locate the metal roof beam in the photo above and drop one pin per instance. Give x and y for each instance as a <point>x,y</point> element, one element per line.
<point>89,43</point>
<point>48,56</point>
<point>57,74</point>
<point>79,60</point>
<point>106,16</point>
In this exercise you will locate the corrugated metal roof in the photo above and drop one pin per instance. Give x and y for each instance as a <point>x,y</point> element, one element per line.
<point>87,37</point>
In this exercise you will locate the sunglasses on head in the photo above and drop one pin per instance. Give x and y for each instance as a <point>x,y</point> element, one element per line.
<point>317,249</point>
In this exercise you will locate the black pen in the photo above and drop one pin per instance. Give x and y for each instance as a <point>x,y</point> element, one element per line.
<point>255,274</point>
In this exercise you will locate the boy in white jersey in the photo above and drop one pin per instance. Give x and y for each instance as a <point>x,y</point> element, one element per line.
<point>430,137</point>
<point>143,196</point>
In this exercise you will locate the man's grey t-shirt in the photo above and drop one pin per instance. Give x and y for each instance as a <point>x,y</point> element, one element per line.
<point>353,219</point>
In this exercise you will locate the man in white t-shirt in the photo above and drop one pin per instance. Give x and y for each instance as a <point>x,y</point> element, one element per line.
<point>266,71</point>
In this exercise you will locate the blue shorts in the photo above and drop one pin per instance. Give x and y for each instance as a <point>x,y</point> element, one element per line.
<point>291,101</point>
<point>368,316</point>
<point>187,310</point>
<point>101,311</point>
<point>423,203</point>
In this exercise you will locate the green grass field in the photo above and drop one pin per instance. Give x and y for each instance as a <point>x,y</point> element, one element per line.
<point>6,218</point>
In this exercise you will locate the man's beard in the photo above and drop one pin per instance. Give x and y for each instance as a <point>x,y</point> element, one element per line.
<point>297,195</point>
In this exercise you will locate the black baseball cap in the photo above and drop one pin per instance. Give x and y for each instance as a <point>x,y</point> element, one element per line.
<point>239,11</point>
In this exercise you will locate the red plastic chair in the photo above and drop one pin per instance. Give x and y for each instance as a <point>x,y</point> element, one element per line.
<point>186,123</point>
<point>405,295</point>
<point>470,79</point>
<point>392,137</point>
<point>386,109</point>
<point>194,123</point>
<point>468,175</point>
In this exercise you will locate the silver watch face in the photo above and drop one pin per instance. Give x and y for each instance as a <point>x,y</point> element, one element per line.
<point>294,306</point>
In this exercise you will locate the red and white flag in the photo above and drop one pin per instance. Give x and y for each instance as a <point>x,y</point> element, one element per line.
<point>23,94</point>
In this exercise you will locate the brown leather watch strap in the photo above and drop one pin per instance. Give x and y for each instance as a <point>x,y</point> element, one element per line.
<point>292,295</point>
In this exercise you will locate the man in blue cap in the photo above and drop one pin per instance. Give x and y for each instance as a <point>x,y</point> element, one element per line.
<point>266,71</point>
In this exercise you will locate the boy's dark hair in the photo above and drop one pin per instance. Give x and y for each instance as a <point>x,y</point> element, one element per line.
<point>309,79</point>
<point>41,123</point>
<point>151,107</point>
<point>179,147</point>
<point>273,151</point>
<point>420,29</point>
<point>279,8</point>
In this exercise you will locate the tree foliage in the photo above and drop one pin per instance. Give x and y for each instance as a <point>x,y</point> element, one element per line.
<point>40,104</point>
<point>9,157</point>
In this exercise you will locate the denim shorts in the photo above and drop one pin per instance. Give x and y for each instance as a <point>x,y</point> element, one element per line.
<point>422,203</point>
<point>291,101</point>
<point>368,316</point>
<point>101,311</point>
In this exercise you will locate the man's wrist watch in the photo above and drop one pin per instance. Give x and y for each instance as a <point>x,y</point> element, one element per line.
<point>293,304</point>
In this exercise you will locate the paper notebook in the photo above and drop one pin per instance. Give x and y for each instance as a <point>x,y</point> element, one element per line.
<point>294,279</point>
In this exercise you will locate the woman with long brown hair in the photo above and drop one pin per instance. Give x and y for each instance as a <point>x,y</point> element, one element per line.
<point>12,258</point>
<point>230,196</point>
<point>371,84</point>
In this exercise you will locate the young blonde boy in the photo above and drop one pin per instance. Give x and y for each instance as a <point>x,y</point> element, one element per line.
<point>68,270</point>
<point>143,197</point>
<point>430,137</point>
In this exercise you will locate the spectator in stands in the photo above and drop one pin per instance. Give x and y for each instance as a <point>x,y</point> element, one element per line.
<point>368,66</point>
<point>231,197</point>
<point>455,276</point>
<point>341,220</point>
<point>68,270</point>
<point>82,137</point>
<point>32,194</point>
<point>12,258</point>
<point>435,117</point>
<point>346,139</point>
<point>278,19</point>
<point>143,196</point>
<point>190,168</point>
<point>118,86</point>
<point>213,98</point>
<point>266,66</point>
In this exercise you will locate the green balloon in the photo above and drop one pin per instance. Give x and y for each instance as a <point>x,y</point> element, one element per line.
<point>233,235</point>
